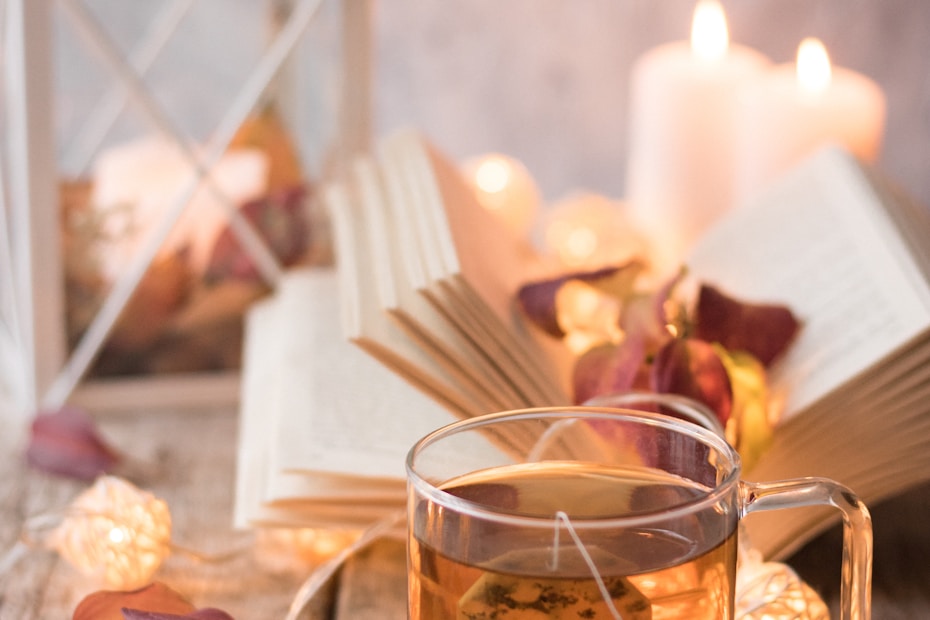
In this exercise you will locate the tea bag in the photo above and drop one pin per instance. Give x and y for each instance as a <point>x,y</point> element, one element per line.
<point>507,594</point>
<point>495,595</point>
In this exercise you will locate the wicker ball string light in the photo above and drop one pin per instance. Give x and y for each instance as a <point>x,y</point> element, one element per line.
<point>773,591</point>
<point>113,532</point>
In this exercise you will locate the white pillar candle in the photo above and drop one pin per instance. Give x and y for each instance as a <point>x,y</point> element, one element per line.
<point>796,108</point>
<point>682,132</point>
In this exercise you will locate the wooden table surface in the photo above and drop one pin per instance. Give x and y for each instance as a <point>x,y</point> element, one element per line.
<point>193,453</point>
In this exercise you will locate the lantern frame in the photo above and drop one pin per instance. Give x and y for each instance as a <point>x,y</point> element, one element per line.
<point>41,373</point>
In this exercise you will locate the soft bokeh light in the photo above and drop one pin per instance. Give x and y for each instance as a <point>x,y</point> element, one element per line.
<point>589,230</point>
<point>301,546</point>
<point>505,188</point>
<point>587,316</point>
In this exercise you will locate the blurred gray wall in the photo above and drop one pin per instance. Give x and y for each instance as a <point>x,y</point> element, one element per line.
<point>546,80</point>
<point>542,80</point>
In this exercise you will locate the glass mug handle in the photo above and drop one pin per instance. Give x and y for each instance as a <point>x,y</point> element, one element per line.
<point>856,584</point>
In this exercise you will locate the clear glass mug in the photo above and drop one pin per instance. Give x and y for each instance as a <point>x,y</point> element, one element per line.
<point>594,513</point>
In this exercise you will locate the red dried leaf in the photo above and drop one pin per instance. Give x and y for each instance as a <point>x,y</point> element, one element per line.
<point>763,330</point>
<point>155,597</point>
<point>280,222</point>
<point>608,369</point>
<point>692,368</point>
<point>537,299</point>
<point>66,442</point>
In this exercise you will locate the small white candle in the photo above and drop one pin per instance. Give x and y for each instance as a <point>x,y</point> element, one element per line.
<point>585,230</point>
<point>794,109</point>
<point>682,130</point>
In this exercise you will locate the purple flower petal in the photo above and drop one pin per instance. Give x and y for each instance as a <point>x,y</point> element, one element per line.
<point>280,221</point>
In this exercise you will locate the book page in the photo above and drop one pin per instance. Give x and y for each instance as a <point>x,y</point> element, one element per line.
<point>480,263</point>
<point>386,226</point>
<point>821,242</point>
<point>364,322</point>
<point>343,411</point>
<point>260,348</point>
<point>420,253</point>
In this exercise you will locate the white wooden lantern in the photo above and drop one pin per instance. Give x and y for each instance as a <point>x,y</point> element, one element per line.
<point>39,370</point>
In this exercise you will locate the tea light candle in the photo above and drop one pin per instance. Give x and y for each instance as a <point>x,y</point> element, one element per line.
<point>588,230</point>
<point>682,132</point>
<point>505,188</point>
<point>796,108</point>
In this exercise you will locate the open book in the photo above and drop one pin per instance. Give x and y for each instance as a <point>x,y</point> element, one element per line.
<point>425,291</point>
<point>851,257</point>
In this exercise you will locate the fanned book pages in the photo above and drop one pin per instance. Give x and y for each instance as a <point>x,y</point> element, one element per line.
<point>324,428</point>
<point>430,283</point>
<point>852,260</point>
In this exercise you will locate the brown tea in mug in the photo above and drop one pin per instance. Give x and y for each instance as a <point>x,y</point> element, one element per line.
<point>490,570</point>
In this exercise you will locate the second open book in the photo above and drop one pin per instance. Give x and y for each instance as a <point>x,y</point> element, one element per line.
<point>417,327</point>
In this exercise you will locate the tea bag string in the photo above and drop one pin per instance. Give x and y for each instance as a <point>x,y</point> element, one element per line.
<point>561,517</point>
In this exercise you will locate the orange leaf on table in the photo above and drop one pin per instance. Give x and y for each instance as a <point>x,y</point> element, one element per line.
<point>108,604</point>
<point>155,601</point>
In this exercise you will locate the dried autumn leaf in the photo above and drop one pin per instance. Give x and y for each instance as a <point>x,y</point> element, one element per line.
<point>155,597</point>
<point>66,442</point>
<point>280,221</point>
<point>764,330</point>
<point>748,429</point>
<point>538,299</point>
<point>162,290</point>
<point>608,369</point>
<point>692,368</point>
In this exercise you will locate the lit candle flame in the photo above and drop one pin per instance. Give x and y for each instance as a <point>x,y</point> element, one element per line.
<point>709,36</point>
<point>813,68</point>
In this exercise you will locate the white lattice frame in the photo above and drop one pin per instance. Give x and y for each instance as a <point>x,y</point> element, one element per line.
<point>50,376</point>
